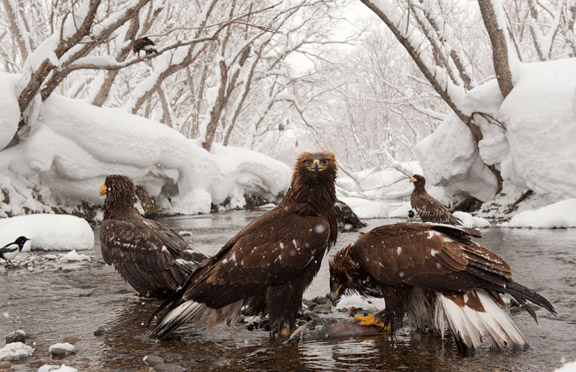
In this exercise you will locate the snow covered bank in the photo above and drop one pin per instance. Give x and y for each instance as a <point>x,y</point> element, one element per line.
<point>531,138</point>
<point>73,146</point>
<point>557,215</point>
<point>48,232</point>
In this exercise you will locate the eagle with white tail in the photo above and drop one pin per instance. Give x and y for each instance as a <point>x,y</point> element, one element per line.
<point>434,274</point>
<point>267,266</point>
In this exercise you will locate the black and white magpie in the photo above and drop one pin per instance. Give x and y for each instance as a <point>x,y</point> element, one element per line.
<point>144,44</point>
<point>11,250</point>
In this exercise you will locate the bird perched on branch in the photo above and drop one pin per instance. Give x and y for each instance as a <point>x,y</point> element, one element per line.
<point>11,250</point>
<point>267,265</point>
<point>144,44</point>
<point>430,209</point>
<point>435,274</point>
<point>153,259</point>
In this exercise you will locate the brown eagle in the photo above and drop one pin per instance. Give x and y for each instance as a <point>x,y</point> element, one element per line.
<point>434,273</point>
<point>267,265</point>
<point>430,209</point>
<point>153,259</point>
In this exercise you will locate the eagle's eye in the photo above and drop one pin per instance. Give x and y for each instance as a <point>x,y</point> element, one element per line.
<point>307,162</point>
<point>324,161</point>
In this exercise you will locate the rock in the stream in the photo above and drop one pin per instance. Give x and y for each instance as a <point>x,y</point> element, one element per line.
<point>321,300</point>
<point>16,336</point>
<point>102,330</point>
<point>62,349</point>
<point>54,368</point>
<point>15,351</point>
<point>5,365</point>
<point>169,367</point>
<point>153,360</point>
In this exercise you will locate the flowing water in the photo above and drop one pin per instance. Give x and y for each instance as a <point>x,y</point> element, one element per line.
<point>55,303</point>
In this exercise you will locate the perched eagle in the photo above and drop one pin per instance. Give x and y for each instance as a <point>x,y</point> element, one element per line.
<point>11,250</point>
<point>144,44</point>
<point>347,219</point>
<point>430,209</point>
<point>267,265</point>
<point>434,273</point>
<point>153,259</point>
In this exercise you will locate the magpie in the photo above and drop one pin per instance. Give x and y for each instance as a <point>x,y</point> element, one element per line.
<point>11,250</point>
<point>144,44</point>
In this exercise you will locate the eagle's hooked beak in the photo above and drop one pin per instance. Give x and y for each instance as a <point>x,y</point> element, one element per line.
<point>103,189</point>
<point>412,179</point>
<point>334,296</point>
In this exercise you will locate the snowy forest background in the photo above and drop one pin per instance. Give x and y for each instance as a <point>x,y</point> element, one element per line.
<point>477,96</point>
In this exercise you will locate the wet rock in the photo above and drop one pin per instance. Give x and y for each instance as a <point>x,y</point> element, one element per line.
<point>5,365</point>
<point>321,300</point>
<point>102,330</point>
<point>169,367</point>
<point>323,309</point>
<point>62,349</point>
<point>153,360</point>
<point>16,336</point>
<point>15,351</point>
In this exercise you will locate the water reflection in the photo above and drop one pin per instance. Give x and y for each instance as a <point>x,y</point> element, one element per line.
<point>53,305</point>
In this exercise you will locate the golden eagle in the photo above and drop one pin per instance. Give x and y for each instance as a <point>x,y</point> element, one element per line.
<point>430,209</point>
<point>347,219</point>
<point>267,265</point>
<point>153,259</point>
<point>434,273</point>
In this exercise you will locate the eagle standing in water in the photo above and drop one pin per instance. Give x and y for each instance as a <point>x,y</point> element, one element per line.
<point>433,274</point>
<point>430,209</point>
<point>153,259</point>
<point>270,262</point>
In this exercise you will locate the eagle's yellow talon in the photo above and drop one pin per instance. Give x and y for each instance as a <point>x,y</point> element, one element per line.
<point>368,320</point>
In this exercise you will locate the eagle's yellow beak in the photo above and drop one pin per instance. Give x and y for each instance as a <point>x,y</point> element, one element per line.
<point>316,166</point>
<point>412,179</point>
<point>103,189</point>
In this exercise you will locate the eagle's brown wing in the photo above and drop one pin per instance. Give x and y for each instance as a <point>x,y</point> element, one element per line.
<point>431,210</point>
<point>438,258</point>
<point>152,258</point>
<point>272,250</point>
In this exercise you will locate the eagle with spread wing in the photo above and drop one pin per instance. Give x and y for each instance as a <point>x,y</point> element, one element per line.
<point>434,273</point>
<point>267,265</point>
<point>153,259</point>
<point>430,209</point>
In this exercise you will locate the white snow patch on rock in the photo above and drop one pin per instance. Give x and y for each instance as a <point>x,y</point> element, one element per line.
<point>56,368</point>
<point>469,220</point>
<point>48,232</point>
<point>372,304</point>
<point>15,351</point>
<point>557,215</point>
<point>73,256</point>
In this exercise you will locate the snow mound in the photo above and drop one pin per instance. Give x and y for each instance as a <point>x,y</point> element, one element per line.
<point>73,146</point>
<point>73,256</point>
<point>568,367</point>
<point>55,368</point>
<point>469,220</point>
<point>15,351</point>
<point>557,215</point>
<point>48,232</point>
<point>365,208</point>
<point>9,109</point>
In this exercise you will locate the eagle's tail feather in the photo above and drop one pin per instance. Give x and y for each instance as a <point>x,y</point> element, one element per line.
<point>198,313</point>
<point>479,319</point>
